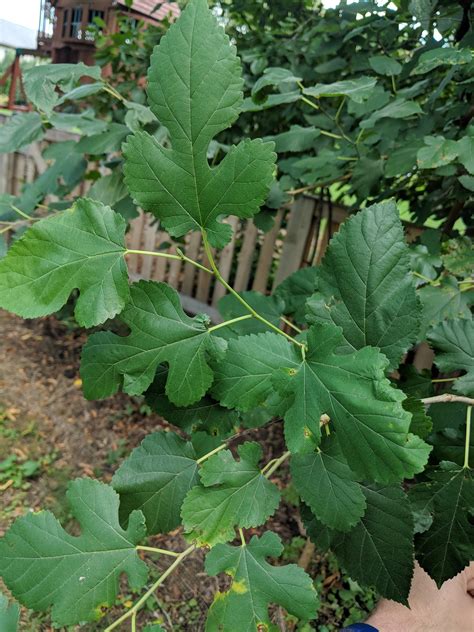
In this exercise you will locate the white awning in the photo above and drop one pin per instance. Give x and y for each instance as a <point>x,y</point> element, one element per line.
<point>16,36</point>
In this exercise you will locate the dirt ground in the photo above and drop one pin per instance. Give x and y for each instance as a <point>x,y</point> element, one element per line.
<point>49,434</point>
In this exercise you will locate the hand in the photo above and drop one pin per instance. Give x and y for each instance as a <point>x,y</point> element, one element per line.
<point>448,609</point>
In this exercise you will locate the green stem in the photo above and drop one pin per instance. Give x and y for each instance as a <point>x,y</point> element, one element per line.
<point>467,445</point>
<point>230,322</point>
<point>221,279</point>
<point>134,609</point>
<point>151,253</point>
<point>268,465</point>
<point>134,622</point>
<point>277,464</point>
<point>425,278</point>
<point>339,109</point>
<point>20,212</point>
<point>394,85</point>
<point>153,549</point>
<point>330,134</point>
<point>290,324</point>
<point>318,107</point>
<point>113,92</point>
<point>242,537</point>
<point>309,102</point>
<point>440,380</point>
<point>179,257</point>
<point>192,262</point>
<point>211,453</point>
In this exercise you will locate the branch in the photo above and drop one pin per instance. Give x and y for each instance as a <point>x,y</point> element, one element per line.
<point>241,300</point>
<point>134,609</point>
<point>446,398</point>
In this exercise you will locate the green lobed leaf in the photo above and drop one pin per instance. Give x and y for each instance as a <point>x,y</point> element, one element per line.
<point>358,90</point>
<point>366,411</point>
<point>465,148</point>
<point>82,92</point>
<point>109,189</point>
<point>85,123</point>
<point>403,159</point>
<point>454,342</point>
<point>458,257</point>
<point>9,615</point>
<point>160,332</point>
<point>326,484</point>
<point>296,289</point>
<point>432,59</point>
<point>467,182</point>
<point>109,140</point>
<point>448,415</point>
<point>296,139</point>
<point>41,82</point>
<point>195,90</point>
<point>447,546</point>
<point>206,414</point>
<point>273,100</point>
<point>442,302</point>
<point>233,494</point>
<point>366,284</point>
<point>271,77</point>
<point>385,65</point>
<point>421,424</point>
<point>155,479</point>
<point>20,130</point>
<point>378,551</point>
<point>414,383</point>
<point>43,565</point>
<point>243,379</point>
<point>255,585</point>
<point>437,152</point>
<point>400,108</point>
<point>82,248</point>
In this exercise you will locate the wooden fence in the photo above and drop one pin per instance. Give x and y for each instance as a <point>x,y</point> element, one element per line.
<point>253,260</point>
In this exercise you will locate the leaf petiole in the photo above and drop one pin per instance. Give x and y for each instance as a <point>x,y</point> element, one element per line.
<point>134,609</point>
<point>20,212</point>
<point>153,549</point>
<point>467,444</point>
<point>211,453</point>
<point>230,322</point>
<point>179,257</point>
<point>241,300</point>
<point>290,324</point>
<point>277,464</point>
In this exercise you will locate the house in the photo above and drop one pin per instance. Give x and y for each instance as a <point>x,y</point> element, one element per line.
<point>64,31</point>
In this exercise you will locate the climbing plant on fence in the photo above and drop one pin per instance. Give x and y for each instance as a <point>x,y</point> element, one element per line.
<point>378,453</point>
